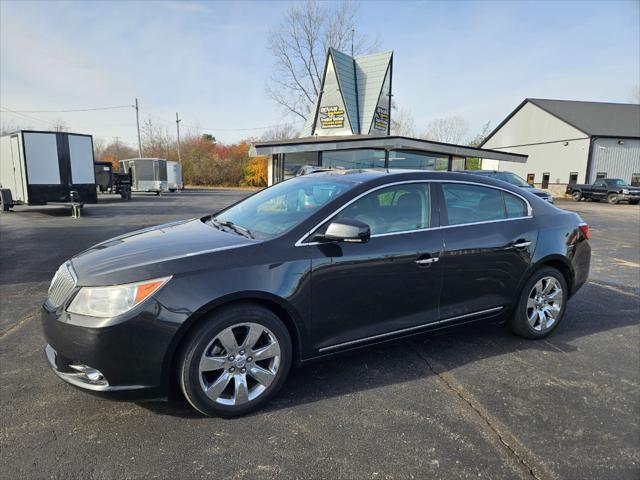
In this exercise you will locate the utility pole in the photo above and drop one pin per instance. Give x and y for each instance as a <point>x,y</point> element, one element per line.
<point>138,124</point>
<point>353,32</point>
<point>178,120</point>
<point>117,140</point>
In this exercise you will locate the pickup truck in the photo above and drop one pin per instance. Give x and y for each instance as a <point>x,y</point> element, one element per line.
<point>613,190</point>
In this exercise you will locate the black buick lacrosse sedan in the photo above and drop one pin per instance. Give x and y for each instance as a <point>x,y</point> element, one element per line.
<point>224,305</point>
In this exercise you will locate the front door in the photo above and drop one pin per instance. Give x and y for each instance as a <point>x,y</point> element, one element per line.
<point>388,286</point>
<point>489,240</point>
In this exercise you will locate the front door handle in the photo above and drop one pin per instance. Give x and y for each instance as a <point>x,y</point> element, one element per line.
<point>521,244</point>
<point>427,261</point>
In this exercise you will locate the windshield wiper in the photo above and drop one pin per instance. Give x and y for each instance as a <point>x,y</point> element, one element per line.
<point>245,232</point>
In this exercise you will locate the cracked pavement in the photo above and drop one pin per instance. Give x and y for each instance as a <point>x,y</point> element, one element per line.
<point>474,403</point>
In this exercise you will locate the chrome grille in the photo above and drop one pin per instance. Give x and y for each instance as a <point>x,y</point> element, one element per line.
<point>62,285</point>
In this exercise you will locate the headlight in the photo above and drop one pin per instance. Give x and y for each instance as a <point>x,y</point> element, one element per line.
<point>625,191</point>
<point>112,301</point>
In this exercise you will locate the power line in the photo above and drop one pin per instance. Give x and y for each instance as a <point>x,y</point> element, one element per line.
<point>72,110</point>
<point>216,129</point>
<point>22,115</point>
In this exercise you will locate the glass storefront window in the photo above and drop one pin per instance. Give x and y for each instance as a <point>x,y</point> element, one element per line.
<point>417,161</point>
<point>293,162</point>
<point>353,159</point>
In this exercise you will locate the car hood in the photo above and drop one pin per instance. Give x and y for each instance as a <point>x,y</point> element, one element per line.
<point>144,250</point>
<point>538,192</point>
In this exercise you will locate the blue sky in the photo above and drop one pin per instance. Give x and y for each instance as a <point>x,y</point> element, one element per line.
<point>209,60</point>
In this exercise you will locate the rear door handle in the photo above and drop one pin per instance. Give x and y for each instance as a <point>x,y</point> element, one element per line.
<point>427,261</point>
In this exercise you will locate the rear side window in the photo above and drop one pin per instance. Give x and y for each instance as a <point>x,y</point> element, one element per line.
<point>515,206</point>
<point>474,203</point>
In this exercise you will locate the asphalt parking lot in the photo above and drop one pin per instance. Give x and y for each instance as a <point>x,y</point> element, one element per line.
<point>477,403</point>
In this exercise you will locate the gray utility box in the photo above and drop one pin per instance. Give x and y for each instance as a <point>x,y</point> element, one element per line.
<point>147,174</point>
<point>37,168</point>
<point>174,176</point>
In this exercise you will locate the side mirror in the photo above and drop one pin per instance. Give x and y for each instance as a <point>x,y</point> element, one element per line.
<point>346,230</point>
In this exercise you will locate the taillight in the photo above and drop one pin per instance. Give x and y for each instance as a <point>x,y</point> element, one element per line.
<point>584,228</point>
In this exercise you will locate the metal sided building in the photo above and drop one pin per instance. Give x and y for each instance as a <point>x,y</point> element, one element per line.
<point>569,142</point>
<point>350,123</point>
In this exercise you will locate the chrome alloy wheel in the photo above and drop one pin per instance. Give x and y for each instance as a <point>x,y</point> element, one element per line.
<point>544,303</point>
<point>239,364</point>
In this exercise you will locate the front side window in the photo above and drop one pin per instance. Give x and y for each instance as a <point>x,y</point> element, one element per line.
<point>277,209</point>
<point>474,203</point>
<point>398,208</point>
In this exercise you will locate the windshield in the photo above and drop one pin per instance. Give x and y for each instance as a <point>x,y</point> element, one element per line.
<point>617,182</point>
<point>512,178</point>
<point>277,209</point>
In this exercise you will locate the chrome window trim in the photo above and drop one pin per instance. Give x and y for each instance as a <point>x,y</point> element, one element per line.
<point>409,329</point>
<point>301,243</point>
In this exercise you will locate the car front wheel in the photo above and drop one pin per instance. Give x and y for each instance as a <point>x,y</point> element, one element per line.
<point>541,304</point>
<point>235,361</point>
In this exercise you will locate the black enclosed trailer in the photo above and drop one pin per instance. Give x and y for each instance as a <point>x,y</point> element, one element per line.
<point>37,168</point>
<point>112,182</point>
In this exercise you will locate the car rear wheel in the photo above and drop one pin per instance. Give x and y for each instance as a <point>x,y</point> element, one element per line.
<point>541,305</point>
<point>613,198</point>
<point>634,202</point>
<point>577,196</point>
<point>235,361</point>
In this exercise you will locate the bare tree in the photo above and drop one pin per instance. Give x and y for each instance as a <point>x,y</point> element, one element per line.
<point>402,122</point>
<point>299,45</point>
<point>479,137</point>
<point>447,129</point>
<point>59,125</point>
<point>283,131</point>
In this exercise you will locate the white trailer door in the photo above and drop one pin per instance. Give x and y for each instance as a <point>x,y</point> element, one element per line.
<point>18,170</point>
<point>81,158</point>
<point>41,157</point>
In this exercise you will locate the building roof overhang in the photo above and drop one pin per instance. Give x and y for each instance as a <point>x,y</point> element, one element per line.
<point>349,142</point>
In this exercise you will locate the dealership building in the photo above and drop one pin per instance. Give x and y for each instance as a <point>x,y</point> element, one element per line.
<point>569,142</point>
<point>350,123</point>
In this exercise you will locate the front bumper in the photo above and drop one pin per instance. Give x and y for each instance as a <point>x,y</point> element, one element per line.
<point>63,368</point>
<point>128,356</point>
<point>630,196</point>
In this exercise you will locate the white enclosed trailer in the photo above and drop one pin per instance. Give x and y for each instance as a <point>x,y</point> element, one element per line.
<point>147,174</point>
<point>37,168</point>
<point>174,176</point>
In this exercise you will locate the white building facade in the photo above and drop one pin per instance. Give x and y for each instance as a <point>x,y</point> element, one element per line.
<point>569,142</point>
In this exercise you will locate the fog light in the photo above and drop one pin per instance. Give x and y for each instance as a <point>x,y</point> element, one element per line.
<point>91,375</point>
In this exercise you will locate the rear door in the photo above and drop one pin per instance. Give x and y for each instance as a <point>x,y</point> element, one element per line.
<point>489,240</point>
<point>81,160</point>
<point>388,286</point>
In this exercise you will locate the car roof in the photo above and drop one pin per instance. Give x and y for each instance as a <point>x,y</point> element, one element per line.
<point>390,175</point>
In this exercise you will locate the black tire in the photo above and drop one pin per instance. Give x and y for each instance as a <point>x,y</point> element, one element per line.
<point>634,202</point>
<point>192,380</point>
<point>577,196</point>
<point>172,190</point>
<point>613,198</point>
<point>519,323</point>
